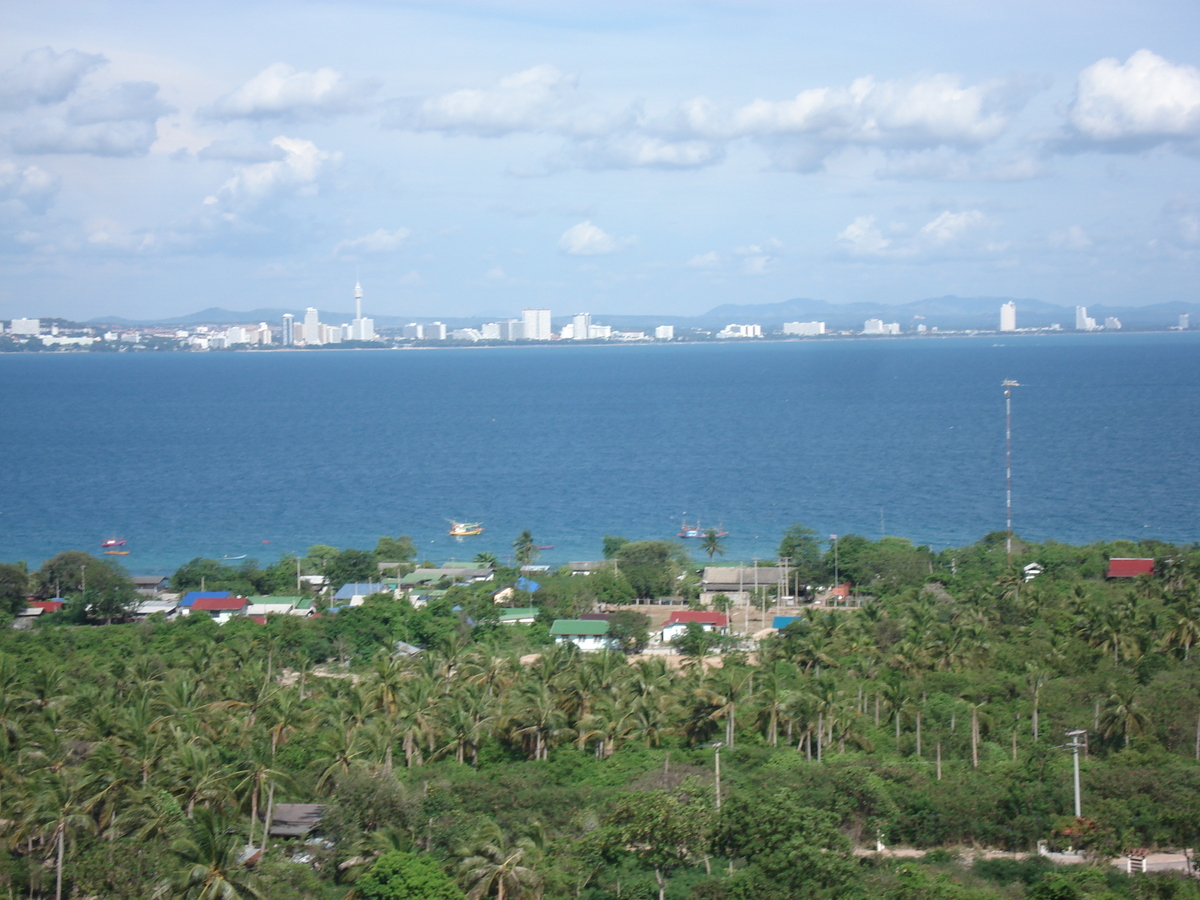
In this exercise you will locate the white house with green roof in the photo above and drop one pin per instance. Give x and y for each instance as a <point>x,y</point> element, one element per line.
<point>586,634</point>
<point>519,615</point>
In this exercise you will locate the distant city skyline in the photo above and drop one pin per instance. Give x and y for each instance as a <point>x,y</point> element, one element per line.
<point>620,158</point>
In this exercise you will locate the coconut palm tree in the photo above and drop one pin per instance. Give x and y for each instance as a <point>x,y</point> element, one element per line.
<point>208,868</point>
<point>494,866</point>
<point>712,544</point>
<point>525,551</point>
<point>1123,714</point>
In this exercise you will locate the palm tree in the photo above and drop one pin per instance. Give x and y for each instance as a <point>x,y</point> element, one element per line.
<point>207,853</point>
<point>1123,714</point>
<point>61,806</point>
<point>525,551</point>
<point>486,559</point>
<point>712,544</point>
<point>493,866</point>
<point>1183,629</point>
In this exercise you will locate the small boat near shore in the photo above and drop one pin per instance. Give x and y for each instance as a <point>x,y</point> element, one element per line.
<point>116,552</point>
<point>695,531</point>
<point>464,529</point>
<point>112,542</point>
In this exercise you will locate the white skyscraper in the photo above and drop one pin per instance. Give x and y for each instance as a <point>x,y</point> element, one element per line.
<point>288,337</point>
<point>312,326</point>
<point>582,322</point>
<point>264,333</point>
<point>537,324</point>
<point>361,329</point>
<point>1008,316</point>
<point>1084,322</point>
<point>664,332</point>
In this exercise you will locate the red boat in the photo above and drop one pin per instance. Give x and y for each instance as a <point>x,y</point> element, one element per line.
<point>695,531</point>
<point>112,542</point>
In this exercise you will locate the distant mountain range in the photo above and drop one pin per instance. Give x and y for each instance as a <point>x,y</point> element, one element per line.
<point>949,313</point>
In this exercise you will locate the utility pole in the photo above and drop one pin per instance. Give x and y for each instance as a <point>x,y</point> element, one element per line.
<point>836,580</point>
<point>1008,384</point>
<point>717,746</point>
<point>1076,746</point>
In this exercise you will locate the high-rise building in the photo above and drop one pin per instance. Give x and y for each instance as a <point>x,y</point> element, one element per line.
<point>536,324</point>
<point>582,322</point>
<point>360,329</point>
<point>664,333</point>
<point>1112,323</point>
<point>25,326</point>
<point>1185,321</point>
<point>288,337</point>
<point>1084,322</point>
<point>806,329</point>
<point>264,333</point>
<point>1008,316</point>
<point>435,331</point>
<point>873,326</point>
<point>414,332</point>
<point>312,326</point>
<point>512,330</point>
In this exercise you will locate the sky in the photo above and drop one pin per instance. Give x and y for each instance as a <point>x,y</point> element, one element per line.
<point>474,158</point>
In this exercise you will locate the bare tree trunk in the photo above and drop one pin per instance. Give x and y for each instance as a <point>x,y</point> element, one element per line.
<point>58,873</point>
<point>918,732</point>
<point>1197,737</point>
<point>267,823</point>
<point>975,737</point>
<point>939,761</point>
<point>876,710</point>
<point>820,734</point>
<point>1035,717</point>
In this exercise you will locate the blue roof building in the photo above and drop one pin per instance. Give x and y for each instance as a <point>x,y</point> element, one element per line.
<point>353,593</point>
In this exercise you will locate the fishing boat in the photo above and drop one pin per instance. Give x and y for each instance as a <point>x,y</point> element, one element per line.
<point>695,531</point>
<point>464,529</point>
<point>116,552</point>
<point>232,558</point>
<point>112,542</point>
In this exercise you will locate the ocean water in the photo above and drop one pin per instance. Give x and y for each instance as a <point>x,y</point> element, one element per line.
<point>218,454</point>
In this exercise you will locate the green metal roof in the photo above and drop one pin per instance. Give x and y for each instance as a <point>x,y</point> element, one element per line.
<point>596,627</point>
<point>520,612</point>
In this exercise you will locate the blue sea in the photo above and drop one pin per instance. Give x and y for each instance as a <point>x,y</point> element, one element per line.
<point>224,454</point>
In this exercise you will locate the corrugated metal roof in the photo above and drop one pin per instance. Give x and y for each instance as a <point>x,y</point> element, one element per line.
<point>1127,567</point>
<point>589,627</point>
<point>192,596</point>
<point>720,620</point>
<point>219,604</point>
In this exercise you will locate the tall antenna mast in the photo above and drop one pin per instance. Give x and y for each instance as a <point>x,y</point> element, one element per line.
<point>1008,384</point>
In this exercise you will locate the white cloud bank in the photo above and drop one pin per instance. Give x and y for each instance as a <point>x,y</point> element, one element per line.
<point>29,187</point>
<point>799,133</point>
<point>1136,104</point>
<point>586,239</point>
<point>280,91</point>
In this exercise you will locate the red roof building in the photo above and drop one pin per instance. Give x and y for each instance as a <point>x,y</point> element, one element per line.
<point>1126,567</point>
<point>220,604</point>
<point>48,605</point>
<point>714,619</point>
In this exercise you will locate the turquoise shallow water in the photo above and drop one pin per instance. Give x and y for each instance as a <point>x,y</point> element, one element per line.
<point>215,454</point>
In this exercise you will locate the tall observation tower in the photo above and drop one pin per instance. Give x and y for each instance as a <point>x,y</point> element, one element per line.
<point>361,329</point>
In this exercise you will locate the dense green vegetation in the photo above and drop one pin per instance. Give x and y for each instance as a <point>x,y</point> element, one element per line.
<point>137,758</point>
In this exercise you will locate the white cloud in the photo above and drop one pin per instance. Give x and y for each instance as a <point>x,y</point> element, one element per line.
<point>31,187</point>
<point>496,273</point>
<point>43,76</point>
<point>586,239</point>
<point>1141,102</point>
<point>1073,238</point>
<point>638,151</point>
<point>949,227</point>
<point>238,151</point>
<point>709,260</point>
<point>534,100</point>
<point>120,121</point>
<point>300,170</point>
<point>862,236</point>
<point>103,139</point>
<point>280,91</point>
<point>919,113</point>
<point>377,242</point>
<point>948,233</point>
